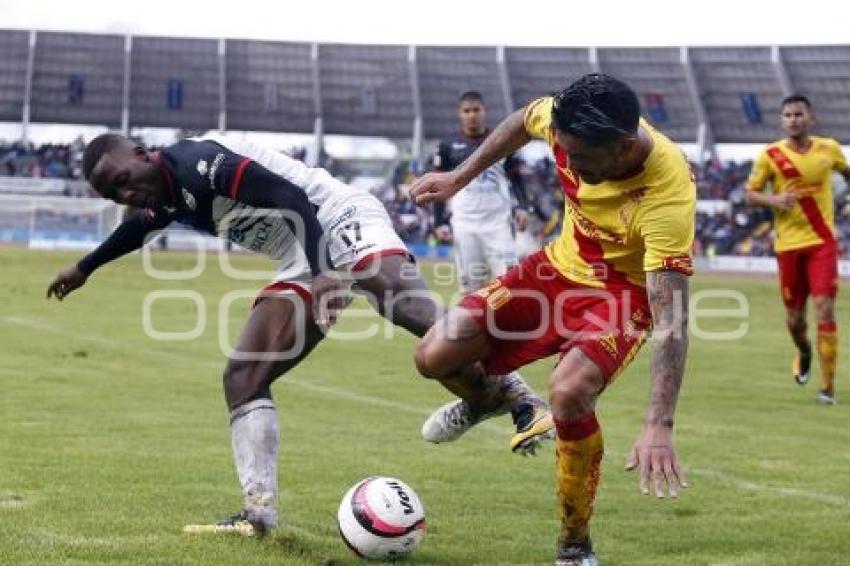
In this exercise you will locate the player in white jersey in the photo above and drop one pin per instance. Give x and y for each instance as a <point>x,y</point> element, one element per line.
<point>312,223</point>
<point>482,215</point>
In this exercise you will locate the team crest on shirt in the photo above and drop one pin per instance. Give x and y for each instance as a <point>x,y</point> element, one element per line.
<point>191,203</point>
<point>642,318</point>
<point>637,194</point>
<point>202,167</point>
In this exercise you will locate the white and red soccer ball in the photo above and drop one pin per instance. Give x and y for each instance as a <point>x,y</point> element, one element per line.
<point>381,518</point>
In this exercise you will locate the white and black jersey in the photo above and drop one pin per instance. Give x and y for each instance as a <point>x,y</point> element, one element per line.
<point>264,201</point>
<point>491,195</point>
<point>253,196</point>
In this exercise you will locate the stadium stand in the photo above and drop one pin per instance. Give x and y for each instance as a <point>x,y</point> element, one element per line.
<point>705,95</point>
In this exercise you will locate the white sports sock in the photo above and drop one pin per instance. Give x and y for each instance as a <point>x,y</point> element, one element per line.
<point>256,437</point>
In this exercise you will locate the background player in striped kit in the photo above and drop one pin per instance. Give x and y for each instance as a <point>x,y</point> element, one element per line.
<point>800,168</point>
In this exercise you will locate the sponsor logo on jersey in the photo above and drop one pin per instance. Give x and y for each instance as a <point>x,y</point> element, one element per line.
<point>801,189</point>
<point>202,168</point>
<point>346,215</point>
<point>458,145</point>
<point>609,344</point>
<point>191,203</point>
<point>592,230</point>
<point>214,168</point>
<point>681,263</point>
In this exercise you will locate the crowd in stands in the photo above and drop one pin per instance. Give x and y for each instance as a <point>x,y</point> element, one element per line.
<point>51,161</point>
<point>726,226</point>
<point>729,229</point>
<point>744,230</point>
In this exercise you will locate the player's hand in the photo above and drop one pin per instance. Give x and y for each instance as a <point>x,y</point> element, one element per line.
<point>521,219</point>
<point>435,187</point>
<point>443,233</point>
<point>784,201</point>
<point>655,459</point>
<point>66,281</point>
<point>328,298</point>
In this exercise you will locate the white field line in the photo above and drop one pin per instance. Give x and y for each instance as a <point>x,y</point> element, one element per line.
<point>717,475</point>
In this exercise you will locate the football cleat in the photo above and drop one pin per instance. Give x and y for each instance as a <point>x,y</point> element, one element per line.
<point>450,421</point>
<point>801,366</point>
<point>534,424</point>
<point>576,554</point>
<point>237,524</point>
<point>826,397</point>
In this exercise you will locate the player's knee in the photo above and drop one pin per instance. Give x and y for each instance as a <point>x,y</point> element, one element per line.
<point>795,321</point>
<point>429,358</point>
<point>573,395</point>
<point>414,313</point>
<point>244,381</point>
<point>825,310</point>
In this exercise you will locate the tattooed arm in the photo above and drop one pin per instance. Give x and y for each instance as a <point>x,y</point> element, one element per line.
<point>653,453</point>
<point>668,299</point>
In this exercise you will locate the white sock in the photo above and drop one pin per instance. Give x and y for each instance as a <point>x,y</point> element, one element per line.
<point>255,436</point>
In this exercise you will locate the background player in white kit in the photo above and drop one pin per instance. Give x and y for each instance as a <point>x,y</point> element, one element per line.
<point>480,222</point>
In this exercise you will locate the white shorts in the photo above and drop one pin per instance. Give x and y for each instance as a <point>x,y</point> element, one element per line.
<point>483,253</point>
<point>358,231</point>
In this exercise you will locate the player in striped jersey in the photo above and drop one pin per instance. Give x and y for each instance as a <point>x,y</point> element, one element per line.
<point>800,169</point>
<point>620,266</point>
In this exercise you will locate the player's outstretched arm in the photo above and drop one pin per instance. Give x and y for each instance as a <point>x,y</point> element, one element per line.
<point>508,136</point>
<point>67,280</point>
<point>129,236</point>
<point>653,453</point>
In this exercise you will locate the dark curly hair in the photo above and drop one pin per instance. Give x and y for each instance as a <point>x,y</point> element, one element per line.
<point>597,108</point>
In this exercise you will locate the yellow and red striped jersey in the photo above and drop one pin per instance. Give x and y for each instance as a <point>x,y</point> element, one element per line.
<point>617,230</point>
<point>807,175</point>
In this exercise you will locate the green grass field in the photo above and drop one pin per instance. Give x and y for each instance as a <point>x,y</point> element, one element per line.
<point>110,441</point>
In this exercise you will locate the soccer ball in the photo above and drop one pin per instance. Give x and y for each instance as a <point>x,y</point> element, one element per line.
<point>381,518</point>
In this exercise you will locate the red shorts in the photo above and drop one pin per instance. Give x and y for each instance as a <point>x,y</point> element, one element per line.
<point>808,271</point>
<point>533,311</point>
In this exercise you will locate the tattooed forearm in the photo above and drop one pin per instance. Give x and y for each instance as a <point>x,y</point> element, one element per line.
<point>668,299</point>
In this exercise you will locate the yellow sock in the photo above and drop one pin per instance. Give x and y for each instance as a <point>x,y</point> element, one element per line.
<point>579,449</point>
<point>828,352</point>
